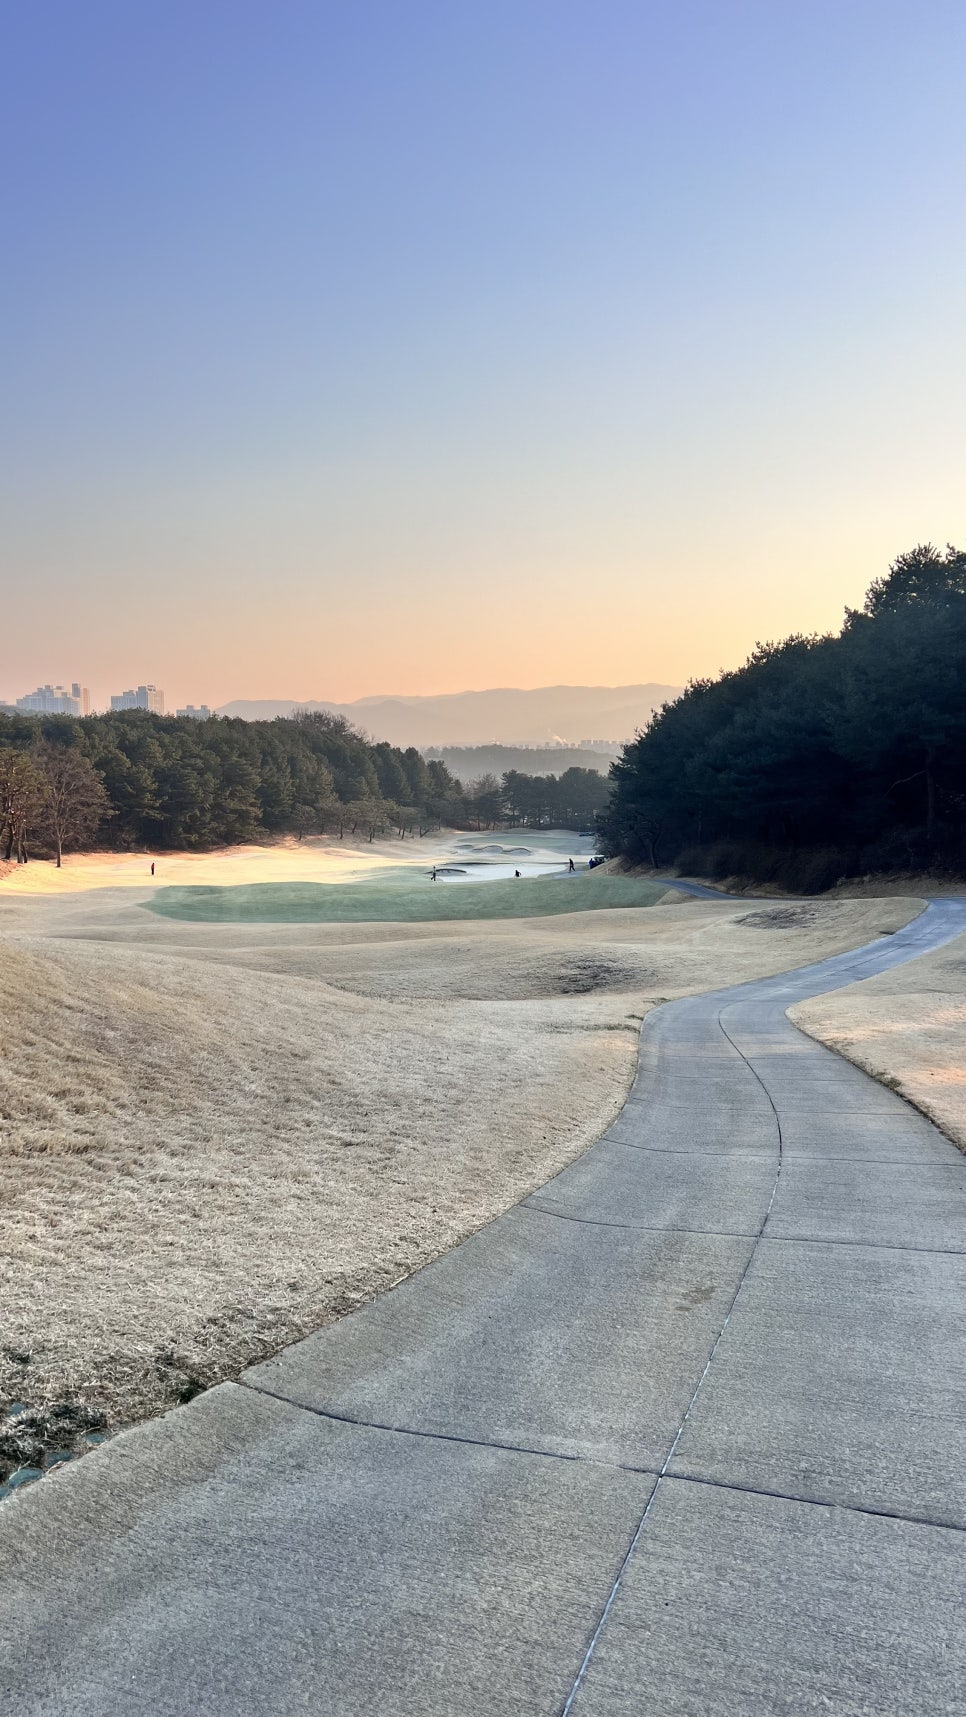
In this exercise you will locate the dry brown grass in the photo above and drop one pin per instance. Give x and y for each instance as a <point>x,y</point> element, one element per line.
<point>204,1163</point>
<point>319,858</point>
<point>908,1029</point>
<point>216,1137</point>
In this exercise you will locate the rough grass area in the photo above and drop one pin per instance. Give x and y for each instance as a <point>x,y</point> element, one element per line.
<point>216,1137</point>
<point>201,1164</point>
<point>908,1029</point>
<point>374,902</point>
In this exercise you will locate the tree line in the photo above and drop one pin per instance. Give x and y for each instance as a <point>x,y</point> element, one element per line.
<point>572,800</point>
<point>569,801</point>
<point>821,758</point>
<point>132,779</point>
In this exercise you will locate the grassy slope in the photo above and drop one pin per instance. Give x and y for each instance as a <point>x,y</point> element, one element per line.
<point>319,903</point>
<point>216,1142</point>
<point>907,1028</point>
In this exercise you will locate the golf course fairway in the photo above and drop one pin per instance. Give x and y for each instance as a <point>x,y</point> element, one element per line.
<point>321,903</point>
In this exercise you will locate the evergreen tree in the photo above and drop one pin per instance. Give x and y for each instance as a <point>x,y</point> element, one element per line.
<point>821,757</point>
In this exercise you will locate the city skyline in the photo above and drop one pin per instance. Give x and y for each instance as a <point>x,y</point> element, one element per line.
<point>566,716</point>
<point>149,697</point>
<point>52,698</point>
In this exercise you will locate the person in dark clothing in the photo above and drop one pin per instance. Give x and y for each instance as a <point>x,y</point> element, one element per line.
<point>152,867</point>
<point>572,865</point>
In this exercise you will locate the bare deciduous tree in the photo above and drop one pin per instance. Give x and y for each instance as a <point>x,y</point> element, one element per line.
<point>72,800</point>
<point>19,800</point>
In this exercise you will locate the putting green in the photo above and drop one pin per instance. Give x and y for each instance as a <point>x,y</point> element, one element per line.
<point>350,903</point>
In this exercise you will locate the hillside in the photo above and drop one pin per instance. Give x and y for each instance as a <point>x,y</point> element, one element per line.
<point>497,717</point>
<point>218,1136</point>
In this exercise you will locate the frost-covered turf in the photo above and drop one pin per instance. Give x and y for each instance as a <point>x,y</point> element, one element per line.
<point>215,1137</point>
<point>321,903</point>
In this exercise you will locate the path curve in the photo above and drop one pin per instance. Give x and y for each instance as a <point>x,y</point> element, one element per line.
<point>705,891</point>
<point>680,1435</point>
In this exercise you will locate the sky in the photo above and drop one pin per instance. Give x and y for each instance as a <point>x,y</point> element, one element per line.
<point>373,348</point>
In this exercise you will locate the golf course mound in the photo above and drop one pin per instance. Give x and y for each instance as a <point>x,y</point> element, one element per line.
<point>321,903</point>
<point>218,1136</point>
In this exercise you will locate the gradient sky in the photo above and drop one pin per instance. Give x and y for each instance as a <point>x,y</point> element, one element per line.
<point>394,347</point>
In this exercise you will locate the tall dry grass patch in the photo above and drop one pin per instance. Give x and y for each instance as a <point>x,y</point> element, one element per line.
<point>205,1162</point>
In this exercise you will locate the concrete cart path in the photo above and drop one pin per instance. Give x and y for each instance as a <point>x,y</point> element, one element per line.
<point>702,891</point>
<point>681,1435</point>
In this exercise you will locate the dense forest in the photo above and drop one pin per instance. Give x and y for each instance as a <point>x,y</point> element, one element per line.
<point>822,757</point>
<point>572,800</point>
<point>132,779</point>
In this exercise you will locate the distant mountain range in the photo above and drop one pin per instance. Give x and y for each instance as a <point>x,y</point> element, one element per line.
<point>544,716</point>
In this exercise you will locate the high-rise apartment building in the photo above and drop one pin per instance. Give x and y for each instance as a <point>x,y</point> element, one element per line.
<point>56,700</point>
<point>146,697</point>
<point>199,712</point>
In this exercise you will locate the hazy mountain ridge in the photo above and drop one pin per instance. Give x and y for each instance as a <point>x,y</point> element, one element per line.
<point>501,716</point>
